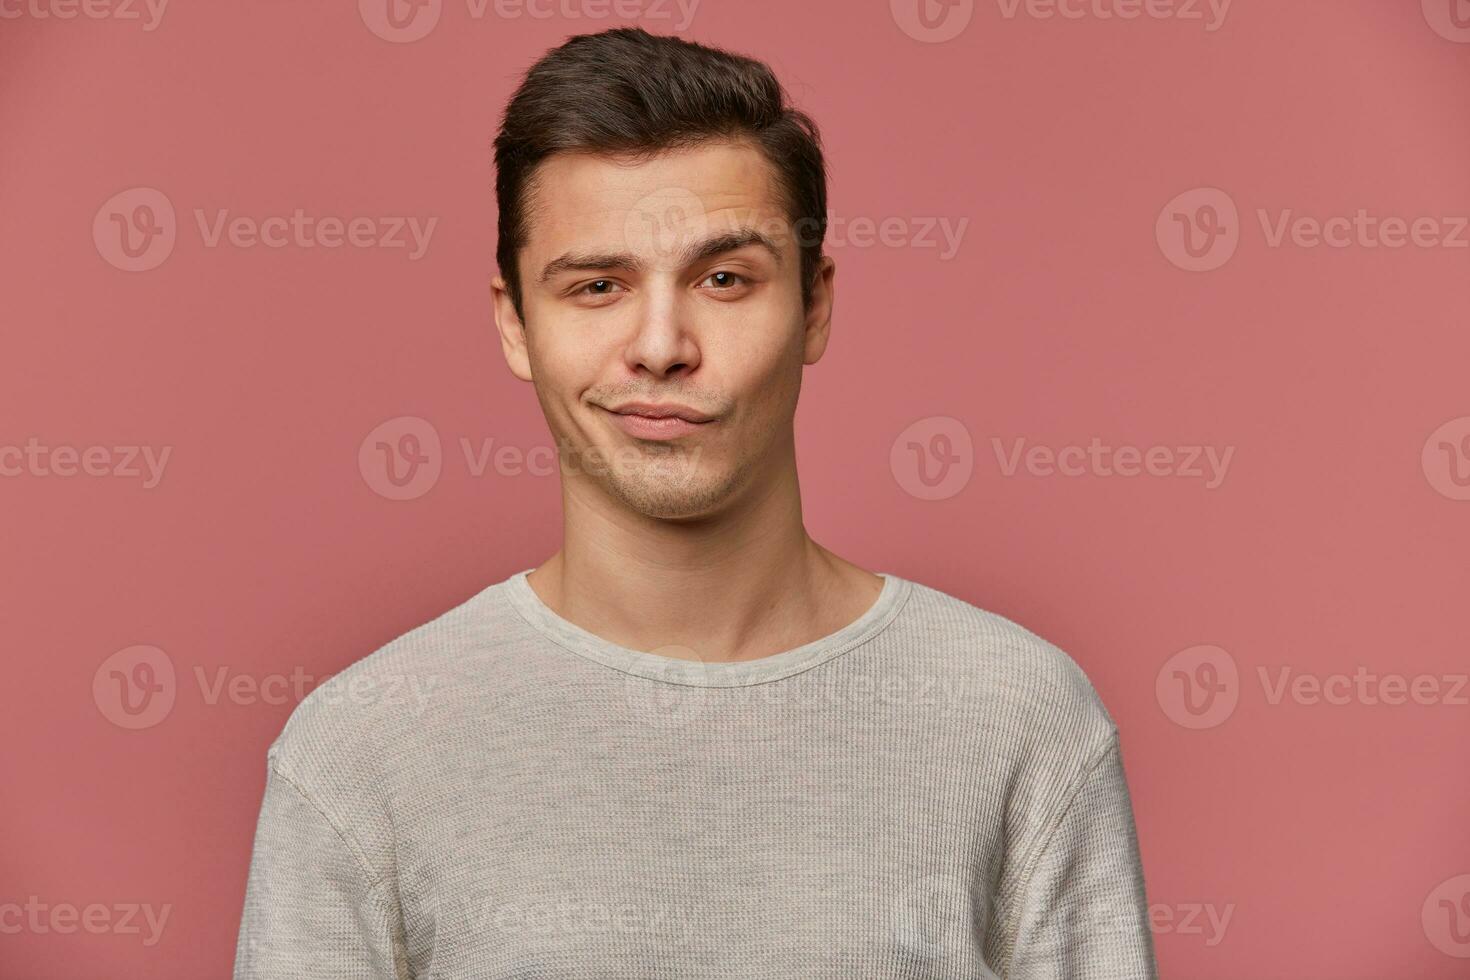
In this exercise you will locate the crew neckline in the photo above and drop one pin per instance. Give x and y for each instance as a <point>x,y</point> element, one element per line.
<point>697,673</point>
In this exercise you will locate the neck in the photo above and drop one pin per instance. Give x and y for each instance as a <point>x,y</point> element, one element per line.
<point>746,583</point>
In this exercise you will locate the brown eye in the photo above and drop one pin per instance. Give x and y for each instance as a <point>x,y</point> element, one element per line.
<point>725,280</point>
<point>599,287</point>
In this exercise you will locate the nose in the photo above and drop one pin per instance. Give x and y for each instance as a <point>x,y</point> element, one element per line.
<point>663,343</point>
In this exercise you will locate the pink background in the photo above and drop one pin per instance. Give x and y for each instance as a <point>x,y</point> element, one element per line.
<point>1332,835</point>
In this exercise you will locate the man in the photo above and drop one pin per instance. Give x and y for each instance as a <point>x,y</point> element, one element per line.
<point>693,742</point>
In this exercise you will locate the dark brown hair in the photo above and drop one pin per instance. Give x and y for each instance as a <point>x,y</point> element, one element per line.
<point>626,91</point>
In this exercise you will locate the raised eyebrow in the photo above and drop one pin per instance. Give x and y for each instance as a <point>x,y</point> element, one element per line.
<point>729,242</point>
<point>697,252</point>
<point>572,262</point>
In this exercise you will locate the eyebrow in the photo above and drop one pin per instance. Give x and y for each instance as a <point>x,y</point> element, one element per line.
<point>692,253</point>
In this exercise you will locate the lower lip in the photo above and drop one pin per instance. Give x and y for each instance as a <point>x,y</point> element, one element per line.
<point>643,427</point>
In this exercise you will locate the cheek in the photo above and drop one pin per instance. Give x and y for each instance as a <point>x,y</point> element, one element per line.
<point>563,359</point>
<point>768,356</point>
<point>759,337</point>
<point>764,379</point>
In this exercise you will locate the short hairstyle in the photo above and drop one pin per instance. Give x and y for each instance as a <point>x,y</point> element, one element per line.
<point>625,91</point>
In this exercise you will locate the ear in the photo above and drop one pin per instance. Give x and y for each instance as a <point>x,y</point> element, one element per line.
<point>512,330</point>
<point>819,312</point>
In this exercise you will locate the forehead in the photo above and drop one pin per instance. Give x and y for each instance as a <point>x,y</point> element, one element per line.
<point>620,203</point>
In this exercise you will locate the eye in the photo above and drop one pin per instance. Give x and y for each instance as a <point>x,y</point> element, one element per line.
<point>599,287</point>
<point>725,280</point>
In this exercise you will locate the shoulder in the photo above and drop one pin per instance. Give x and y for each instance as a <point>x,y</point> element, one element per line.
<point>348,744</point>
<point>346,722</point>
<point>1015,681</point>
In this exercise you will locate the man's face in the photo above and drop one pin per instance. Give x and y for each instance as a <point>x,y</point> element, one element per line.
<point>673,283</point>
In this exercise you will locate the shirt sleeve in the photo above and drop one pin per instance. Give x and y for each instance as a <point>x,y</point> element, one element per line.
<point>1084,912</point>
<point>312,910</point>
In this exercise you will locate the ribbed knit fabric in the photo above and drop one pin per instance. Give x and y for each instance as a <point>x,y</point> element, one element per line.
<point>930,792</point>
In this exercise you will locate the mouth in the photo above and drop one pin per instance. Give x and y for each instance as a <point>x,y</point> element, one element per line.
<point>659,422</point>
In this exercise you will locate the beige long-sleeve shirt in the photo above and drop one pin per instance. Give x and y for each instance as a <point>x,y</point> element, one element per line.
<point>930,792</point>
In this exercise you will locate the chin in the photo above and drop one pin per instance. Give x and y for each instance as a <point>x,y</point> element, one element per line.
<point>672,496</point>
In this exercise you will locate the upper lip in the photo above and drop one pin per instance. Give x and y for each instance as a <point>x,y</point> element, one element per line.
<point>661,410</point>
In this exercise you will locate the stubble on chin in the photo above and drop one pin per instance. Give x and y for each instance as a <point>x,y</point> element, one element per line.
<point>669,483</point>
